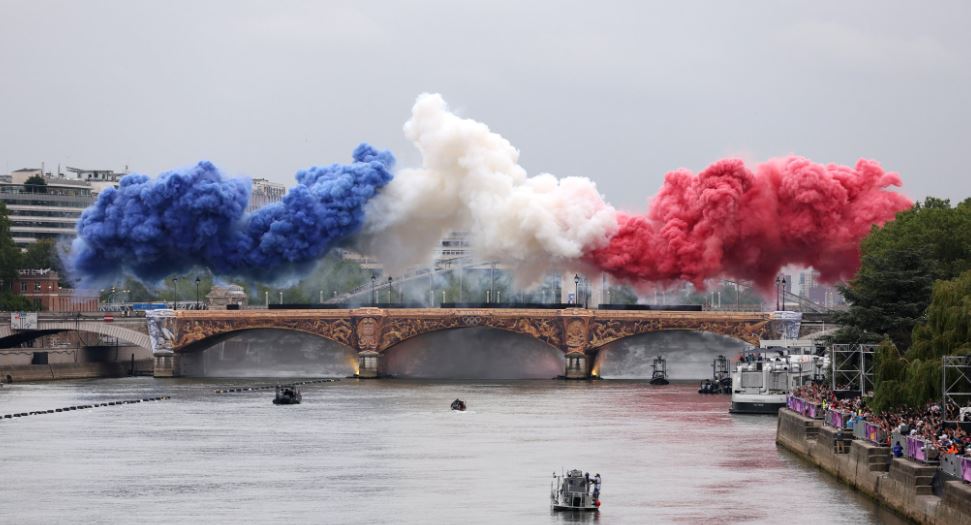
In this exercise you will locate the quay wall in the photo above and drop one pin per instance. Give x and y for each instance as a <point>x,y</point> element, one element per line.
<point>899,483</point>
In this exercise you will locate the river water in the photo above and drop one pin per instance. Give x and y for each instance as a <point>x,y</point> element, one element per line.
<point>391,451</point>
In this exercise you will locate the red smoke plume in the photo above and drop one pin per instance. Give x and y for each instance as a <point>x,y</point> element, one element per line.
<point>730,222</point>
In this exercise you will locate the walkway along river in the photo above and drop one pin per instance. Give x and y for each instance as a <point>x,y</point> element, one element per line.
<point>392,451</point>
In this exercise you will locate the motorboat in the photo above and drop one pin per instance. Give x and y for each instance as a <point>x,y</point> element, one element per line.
<point>721,379</point>
<point>659,375</point>
<point>575,491</point>
<point>764,377</point>
<point>459,405</point>
<point>287,395</point>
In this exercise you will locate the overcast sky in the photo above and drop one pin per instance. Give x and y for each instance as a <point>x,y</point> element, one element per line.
<point>621,92</point>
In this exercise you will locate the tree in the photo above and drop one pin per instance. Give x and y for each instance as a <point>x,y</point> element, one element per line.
<point>9,253</point>
<point>945,329</point>
<point>36,184</point>
<point>899,264</point>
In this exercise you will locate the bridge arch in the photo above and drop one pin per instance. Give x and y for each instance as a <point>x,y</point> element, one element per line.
<point>259,352</point>
<point>10,338</point>
<point>476,352</point>
<point>689,353</point>
<point>199,333</point>
<point>207,342</point>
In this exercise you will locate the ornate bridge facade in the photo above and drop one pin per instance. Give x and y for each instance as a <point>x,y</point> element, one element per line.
<point>578,333</point>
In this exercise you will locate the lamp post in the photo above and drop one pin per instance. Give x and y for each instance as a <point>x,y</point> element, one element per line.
<point>780,284</point>
<point>198,280</point>
<point>175,293</point>
<point>492,286</point>
<point>576,291</point>
<point>281,296</point>
<point>389,290</point>
<point>373,281</point>
<point>321,297</point>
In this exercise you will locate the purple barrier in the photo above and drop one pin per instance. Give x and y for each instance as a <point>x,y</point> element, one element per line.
<point>917,449</point>
<point>874,434</point>
<point>837,419</point>
<point>966,469</point>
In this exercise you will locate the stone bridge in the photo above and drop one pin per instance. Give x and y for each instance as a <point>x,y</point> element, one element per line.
<point>131,330</point>
<point>578,333</point>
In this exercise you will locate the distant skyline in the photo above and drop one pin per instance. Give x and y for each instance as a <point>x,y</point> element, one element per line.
<point>621,92</point>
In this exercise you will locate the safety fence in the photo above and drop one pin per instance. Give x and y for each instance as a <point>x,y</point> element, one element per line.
<point>912,447</point>
<point>838,418</point>
<point>804,407</point>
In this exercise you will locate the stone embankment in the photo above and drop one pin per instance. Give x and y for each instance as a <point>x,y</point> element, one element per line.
<point>53,372</point>
<point>899,483</point>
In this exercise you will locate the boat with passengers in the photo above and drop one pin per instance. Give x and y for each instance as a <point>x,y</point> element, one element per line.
<point>575,491</point>
<point>287,395</point>
<point>764,377</point>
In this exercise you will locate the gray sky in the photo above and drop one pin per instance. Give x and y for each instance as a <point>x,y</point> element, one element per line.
<point>620,92</point>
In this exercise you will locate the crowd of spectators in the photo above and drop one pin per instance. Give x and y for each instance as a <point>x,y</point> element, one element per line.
<point>927,423</point>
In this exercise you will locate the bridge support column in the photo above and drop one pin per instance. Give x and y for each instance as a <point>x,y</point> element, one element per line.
<point>368,364</point>
<point>576,366</point>
<point>166,364</point>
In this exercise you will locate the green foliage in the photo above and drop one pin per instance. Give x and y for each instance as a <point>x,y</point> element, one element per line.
<point>900,263</point>
<point>9,253</point>
<point>945,329</point>
<point>36,184</point>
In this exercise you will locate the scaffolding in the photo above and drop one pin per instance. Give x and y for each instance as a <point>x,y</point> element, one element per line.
<point>955,386</point>
<point>852,368</point>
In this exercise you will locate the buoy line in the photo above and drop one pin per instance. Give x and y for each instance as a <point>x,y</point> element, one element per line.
<point>270,387</point>
<point>83,407</point>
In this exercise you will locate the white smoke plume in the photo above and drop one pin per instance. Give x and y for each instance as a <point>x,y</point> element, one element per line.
<point>470,181</point>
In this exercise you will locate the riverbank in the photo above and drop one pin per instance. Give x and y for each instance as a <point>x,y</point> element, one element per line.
<point>59,371</point>
<point>899,483</point>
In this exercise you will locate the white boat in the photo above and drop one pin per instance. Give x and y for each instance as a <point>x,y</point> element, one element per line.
<point>765,376</point>
<point>575,491</point>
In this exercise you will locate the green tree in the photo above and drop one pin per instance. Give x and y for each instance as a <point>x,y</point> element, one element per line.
<point>9,252</point>
<point>36,184</point>
<point>899,265</point>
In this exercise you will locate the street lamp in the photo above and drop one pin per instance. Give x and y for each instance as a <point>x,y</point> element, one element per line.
<point>175,293</point>
<point>389,290</point>
<point>373,281</point>
<point>576,291</point>
<point>780,283</point>
<point>492,286</point>
<point>197,292</point>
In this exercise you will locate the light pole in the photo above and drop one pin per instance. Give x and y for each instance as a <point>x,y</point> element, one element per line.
<point>779,283</point>
<point>492,286</point>
<point>175,293</point>
<point>281,296</point>
<point>321,297</point>
<point>198,280</point>
<point>373,281</point>
<point>783,294</point>
<point>576,291</point>
<point>389,290</point>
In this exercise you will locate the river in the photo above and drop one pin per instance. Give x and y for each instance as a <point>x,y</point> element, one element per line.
<point>391,451</point>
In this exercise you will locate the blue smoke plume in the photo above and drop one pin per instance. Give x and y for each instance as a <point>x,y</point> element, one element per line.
<point>196,218</point>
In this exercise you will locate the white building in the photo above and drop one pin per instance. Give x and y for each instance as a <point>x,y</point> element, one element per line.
<point>43,212</point>
<point>265,192</point>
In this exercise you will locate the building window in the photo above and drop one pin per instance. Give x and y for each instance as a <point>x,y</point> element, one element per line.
<point>23,286</point>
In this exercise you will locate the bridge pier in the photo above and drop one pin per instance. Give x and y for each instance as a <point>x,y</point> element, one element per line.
<point>368,364</point>
<point>576,366</point>
<point>166,364</point>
